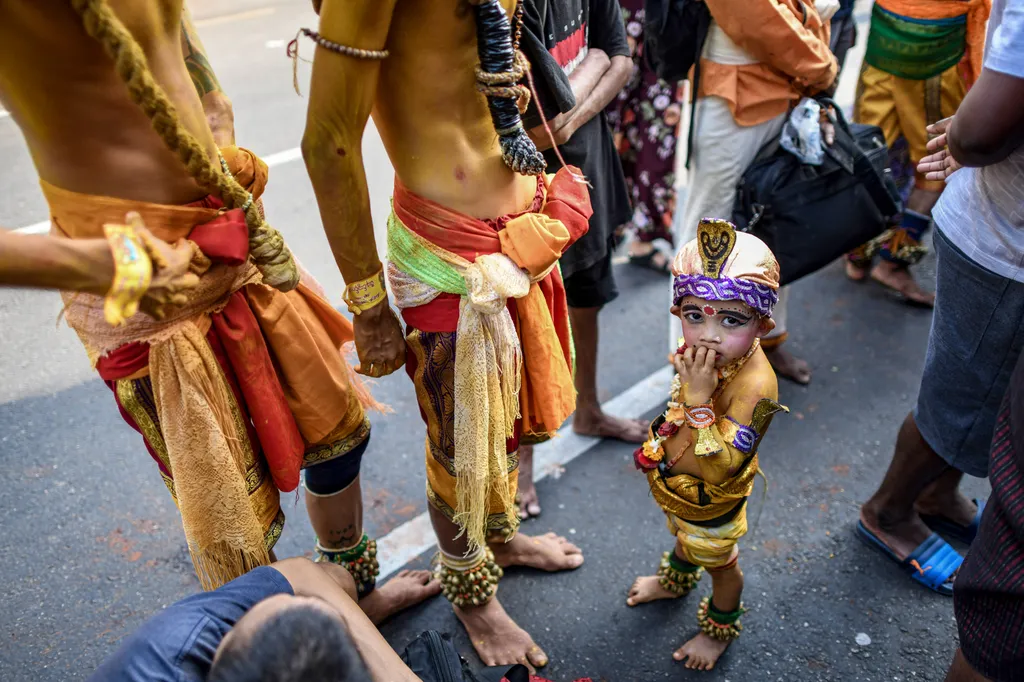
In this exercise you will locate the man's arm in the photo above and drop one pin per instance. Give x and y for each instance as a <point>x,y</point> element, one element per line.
<point>775,36</point>
<point>334,585</point>
<point>989,124</point>
<point>216,105</point>
<point>341,97</point>
<point>588,76</point>
<point>607,37</point>
<point>43,262</point>
<point>87,266</point>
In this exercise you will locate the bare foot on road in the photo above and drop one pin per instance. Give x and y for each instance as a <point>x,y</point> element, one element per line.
<point>496,637</point>
<point>603,425</point>
<point>788,366</point>
<point>701,652</point>
<point>548,552</point>
<point>529,503</point>
<point>647,588</point>
<point>406,589</point>
<point>898,278</point>
<point>856,272</point>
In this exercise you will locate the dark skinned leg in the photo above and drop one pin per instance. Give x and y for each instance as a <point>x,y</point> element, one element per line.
<point>590,420</point>
<point>890,512</point>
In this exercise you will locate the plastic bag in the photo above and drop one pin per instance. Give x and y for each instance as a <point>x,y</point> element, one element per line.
<point>801,136</point>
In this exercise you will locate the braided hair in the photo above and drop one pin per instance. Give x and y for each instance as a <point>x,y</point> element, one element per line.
<point>501,68</point>
<point>266,245</point>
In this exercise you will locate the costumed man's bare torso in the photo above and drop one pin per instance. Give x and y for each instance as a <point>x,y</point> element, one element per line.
<point>82,129</point>
<point>434,123</point>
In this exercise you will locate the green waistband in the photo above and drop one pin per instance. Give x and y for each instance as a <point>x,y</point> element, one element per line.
<point>915,49</point>
<point>405,251</point>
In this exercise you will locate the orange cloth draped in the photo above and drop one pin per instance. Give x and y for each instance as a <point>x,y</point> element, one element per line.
<point>534,240</point>
<point>284,348</point>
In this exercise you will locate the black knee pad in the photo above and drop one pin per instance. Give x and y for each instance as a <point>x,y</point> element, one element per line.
<point>337,474</point>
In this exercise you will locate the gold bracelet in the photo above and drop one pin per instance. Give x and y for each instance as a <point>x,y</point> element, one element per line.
<point>366,293</point>
<point>133,270</point>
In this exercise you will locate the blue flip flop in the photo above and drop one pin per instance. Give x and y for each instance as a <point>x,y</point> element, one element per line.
<point>947,528</point>
<point>932,564</point>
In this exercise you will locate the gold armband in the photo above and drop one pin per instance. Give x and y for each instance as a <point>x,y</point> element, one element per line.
<point>133,270</point>
<point>366,293</point>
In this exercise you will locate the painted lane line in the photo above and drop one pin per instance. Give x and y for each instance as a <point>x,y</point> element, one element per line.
<point>35,228</point>
<point>415,537</point>
<point>277,159</point>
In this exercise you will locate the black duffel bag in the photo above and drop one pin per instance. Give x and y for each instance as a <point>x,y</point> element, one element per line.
<point>811,215</point>
<point>432,657</point>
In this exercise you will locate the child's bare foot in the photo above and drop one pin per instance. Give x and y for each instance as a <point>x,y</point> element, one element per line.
<point>406,589</point>
<point>548,552</point>
<point>648,588</point>
<point>701,652</point>
<point>496,637</point>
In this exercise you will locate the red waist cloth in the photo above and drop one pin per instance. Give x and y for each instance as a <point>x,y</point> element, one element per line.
<point>236,332</point>
<point>563,198</point>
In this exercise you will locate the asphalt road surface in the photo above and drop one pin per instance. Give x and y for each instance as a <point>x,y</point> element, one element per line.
<point>92,544</point>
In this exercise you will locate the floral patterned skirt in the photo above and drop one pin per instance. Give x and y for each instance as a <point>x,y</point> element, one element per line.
<point>645,122</point>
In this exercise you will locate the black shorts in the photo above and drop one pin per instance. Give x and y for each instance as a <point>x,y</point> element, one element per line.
<point>592,287</point>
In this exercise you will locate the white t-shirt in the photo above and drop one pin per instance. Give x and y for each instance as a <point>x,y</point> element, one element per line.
<point>982,209</point>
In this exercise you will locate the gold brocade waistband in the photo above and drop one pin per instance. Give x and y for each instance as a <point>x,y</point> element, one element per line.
<point>693,499</point>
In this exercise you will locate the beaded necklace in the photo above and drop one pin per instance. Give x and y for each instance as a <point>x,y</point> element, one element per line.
<point>652,451</point>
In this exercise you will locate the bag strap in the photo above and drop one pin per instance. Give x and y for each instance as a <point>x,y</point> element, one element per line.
<point>702,33</point>
<point>873,181</point>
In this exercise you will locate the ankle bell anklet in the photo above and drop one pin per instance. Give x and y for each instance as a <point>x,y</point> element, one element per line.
<point>676,577</point>
<point>471,581</point>
<point>719,625</point>
<point>360,561</point>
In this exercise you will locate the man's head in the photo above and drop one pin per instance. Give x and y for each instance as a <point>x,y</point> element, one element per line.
<point>726,285</point>
<point>288,639</point>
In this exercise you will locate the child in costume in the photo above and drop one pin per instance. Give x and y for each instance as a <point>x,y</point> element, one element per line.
<point>701,456</point>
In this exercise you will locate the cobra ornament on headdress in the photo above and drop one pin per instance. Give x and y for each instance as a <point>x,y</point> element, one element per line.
<point>722,264</point>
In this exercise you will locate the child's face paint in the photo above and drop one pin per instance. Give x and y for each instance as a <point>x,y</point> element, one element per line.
<point>727,327</point>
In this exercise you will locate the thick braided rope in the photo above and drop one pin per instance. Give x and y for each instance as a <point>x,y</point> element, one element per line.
<point>266,245</point>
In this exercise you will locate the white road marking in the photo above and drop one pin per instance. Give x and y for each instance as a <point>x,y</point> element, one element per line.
<point>414,537</point>
<point>4,113</point>
<point>274,44</point>
<point>286,156</point>
<point>37,228</point>
<point>277,159</point>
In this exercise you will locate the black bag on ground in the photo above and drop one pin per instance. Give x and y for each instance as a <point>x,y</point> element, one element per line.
<point>811,215</point>
<point>432,658</point>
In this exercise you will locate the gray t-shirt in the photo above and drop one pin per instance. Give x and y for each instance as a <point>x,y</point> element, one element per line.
<point>982,209</point>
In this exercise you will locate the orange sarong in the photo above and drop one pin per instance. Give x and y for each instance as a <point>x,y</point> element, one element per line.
<point>241,377</point>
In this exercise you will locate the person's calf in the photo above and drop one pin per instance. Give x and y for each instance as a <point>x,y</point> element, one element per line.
<point>526,498</point>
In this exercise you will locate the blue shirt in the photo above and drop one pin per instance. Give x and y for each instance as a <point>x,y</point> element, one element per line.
<point>178,644</point>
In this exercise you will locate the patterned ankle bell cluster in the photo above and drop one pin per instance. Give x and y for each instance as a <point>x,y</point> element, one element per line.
<point>360,561</point>
<point>677,577</point>
<point>717,624</point>
<point>469,581</point>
